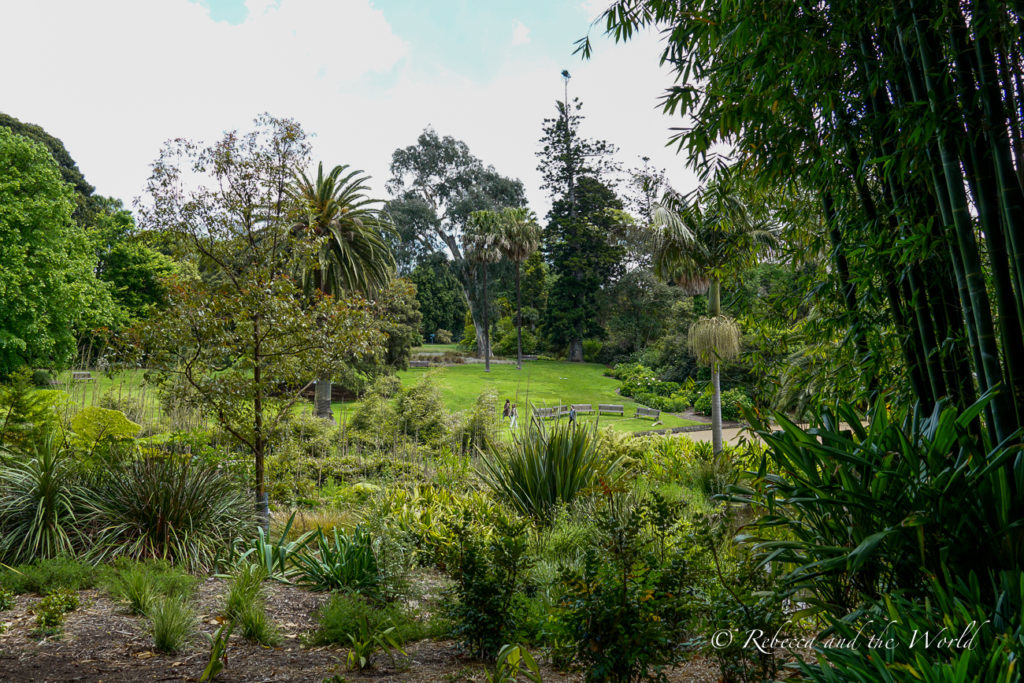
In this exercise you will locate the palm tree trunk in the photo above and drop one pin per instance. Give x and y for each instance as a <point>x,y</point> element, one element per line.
<point>519,322</point>
<point>322,398</point>
<point>715,309</point>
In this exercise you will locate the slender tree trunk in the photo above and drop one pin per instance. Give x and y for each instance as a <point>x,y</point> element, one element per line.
<point>322,398</point>
<point>259,439</point>
<point>487,328</point>
<point>519,322</point>
<point>715,309</point>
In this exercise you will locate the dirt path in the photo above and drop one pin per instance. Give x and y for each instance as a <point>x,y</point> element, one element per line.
<point>102,643</point>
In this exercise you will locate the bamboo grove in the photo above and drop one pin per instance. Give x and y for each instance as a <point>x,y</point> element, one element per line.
<point>903,123</point>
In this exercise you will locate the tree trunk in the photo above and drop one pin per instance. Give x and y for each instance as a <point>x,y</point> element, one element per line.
<point>322,398</point>
<point>487,327</point>
<point>259,440</point>
<point>519,322</point>
<point>576,351</point>
<point>715,309</point>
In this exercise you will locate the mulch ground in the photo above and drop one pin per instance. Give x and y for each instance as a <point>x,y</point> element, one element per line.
<point>101,641</point>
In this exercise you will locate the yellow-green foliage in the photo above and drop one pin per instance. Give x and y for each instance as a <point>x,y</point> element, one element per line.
<point>94,424</point>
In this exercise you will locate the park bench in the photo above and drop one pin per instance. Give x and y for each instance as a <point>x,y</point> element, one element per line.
<point>545,413</point>
<point>611,408</point>
<point>583,408</point>
<point>647,412</point>
<point>82,377</point>
<point>419,364</point>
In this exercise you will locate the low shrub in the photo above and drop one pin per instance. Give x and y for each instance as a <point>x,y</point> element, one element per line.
<point>487,573</point>
<point>617,614</point>
<point>169,508</point>
<point>51,609</point>
<point>173,624</point>
<point>442,336</point>
<point>342,616</point>
<point>46,576</point>
<point>6,599</point>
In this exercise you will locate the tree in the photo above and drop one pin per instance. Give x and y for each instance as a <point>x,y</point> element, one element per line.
<point>48,287</point>
<point>520,237</point>
<point>399,312</point>
<point>440,295</point>
<point>698,242</point>
<point>904,122</point>
<point>442,174</point>
<point>566,156</point>
<point>348,226</point>
<point>482,245</point>
<point>583,261</point>
<point>241,342</point>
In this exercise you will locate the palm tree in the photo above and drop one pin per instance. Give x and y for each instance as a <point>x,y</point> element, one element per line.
<point>698,241</point>
<point>352,254</point>
<point>520,237</point>
<point>482,239</point>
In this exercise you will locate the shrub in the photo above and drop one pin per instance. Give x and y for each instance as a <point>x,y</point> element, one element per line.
<point>616,607</point>
<point>139,584</point>
<point>173,624</point>
<point>46,576</point>
<point>421,411</point>
<point>51,609</point>
<point>367,641</point>
<point>169,508</point>
<point>6,599</point>
<point>42,378</point>
<point>442,336</point>
<point>343,615</point>
<point>487,573</point>
<point>733,403</point>
<point>39,504</point>
<point>344,561</point>
<point>542,469</point>
<point>591,350</point>
<point>482,422</point>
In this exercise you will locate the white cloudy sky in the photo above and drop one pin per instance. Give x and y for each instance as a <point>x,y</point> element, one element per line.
<point>113,79</point>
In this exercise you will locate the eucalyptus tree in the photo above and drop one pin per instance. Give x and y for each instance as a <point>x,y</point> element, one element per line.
<point>348,227</point>
<point>436,185</point>
<point>520,237</point>
<point>482,244</point>
<point>698,242</point>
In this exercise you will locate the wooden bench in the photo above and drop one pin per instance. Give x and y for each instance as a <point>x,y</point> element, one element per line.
<point>82,377</point>
<point>611,408</point>
<point>545,413</point>
<point>419,364</point>
<point>583,408</point>
<point>648,412</point>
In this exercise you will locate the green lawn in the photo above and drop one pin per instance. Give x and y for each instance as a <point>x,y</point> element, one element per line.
<point>542,383</point>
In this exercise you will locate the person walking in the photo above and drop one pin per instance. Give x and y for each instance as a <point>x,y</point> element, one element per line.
<point>505,413</point>
<point>572,416</point>
<point>513,415</point>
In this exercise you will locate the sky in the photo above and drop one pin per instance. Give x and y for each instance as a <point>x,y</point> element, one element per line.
<point>113,79</point>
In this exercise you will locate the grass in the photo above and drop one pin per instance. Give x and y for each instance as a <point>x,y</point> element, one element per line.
<point>541,383</point>
<point>173,623</point>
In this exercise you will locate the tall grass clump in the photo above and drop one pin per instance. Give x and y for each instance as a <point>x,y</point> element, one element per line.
<point>245,605</point>
<point>174,624</point>
<point>39,504</point>
<point>169,508</point>
<point>543,469</point>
